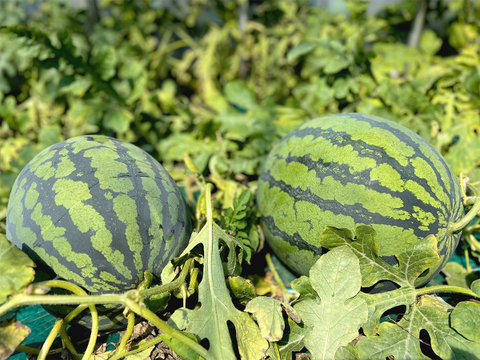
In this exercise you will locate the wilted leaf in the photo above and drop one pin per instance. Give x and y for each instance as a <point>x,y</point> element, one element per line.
<point>332,321</point>
<point>268,312</point>
<point>12,333</point>
<point>15,269</point>
<point>241,289</point>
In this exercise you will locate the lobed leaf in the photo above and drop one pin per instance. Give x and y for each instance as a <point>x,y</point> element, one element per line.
<point>332,321</point>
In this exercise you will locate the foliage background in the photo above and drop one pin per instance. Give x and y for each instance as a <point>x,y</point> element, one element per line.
<point>223,80</point>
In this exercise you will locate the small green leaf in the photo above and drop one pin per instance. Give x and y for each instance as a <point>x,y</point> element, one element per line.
<point>334,321</point>
<point>292,340</point>
<point>303,286</point>
<point>15,269</point>
<point>456,275</point>
<point>430,43</point>
<point>50,135</point>
<point>12,333</point>
<point>118,120</point>
<point>299,50</point>
<point>238,93</point>
<point>465,319</point>
<point>476,287</point>
<point>268,312</point>
<point>106,61</point>
<point>242,289</point>
<point>184,351</point>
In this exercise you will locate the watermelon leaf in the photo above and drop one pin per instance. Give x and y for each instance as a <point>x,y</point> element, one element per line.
<point>402,339</point>
<point>465,319</point>
<point>12,333</point>
<point>268,312</point>
<point>457,275</point>
<point>16,269</point>
<point>412,262</point>
<point>334,319</point>
<point>211,320</point>
<point>292,340</point>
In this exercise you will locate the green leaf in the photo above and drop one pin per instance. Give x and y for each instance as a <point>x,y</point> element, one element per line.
<point>465,319</point>
<point>348,352</point>
<point>430,43</point>
<point>292,340</point>
<point>118,120</point>
<point>334,321</point>
<point>299,50</point>
<point>12,333</point>
<point>412,262</point>
<point>242,289</point>
<point>456,275</point>
<point>50,135</point>
<point>16,269</point>
<point>210,321</point>
<point>401,339</point>
<point>268,312</point>
<point>303,286</point>
<point>105,62</point>
<point>180,348</point>
<point>238,93</point>
<point>475,287</point>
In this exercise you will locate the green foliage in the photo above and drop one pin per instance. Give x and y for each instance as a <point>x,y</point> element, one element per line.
<point>333,321</point>
<point>217,308</point>
<point>16,269</point>
<point>176,80</point>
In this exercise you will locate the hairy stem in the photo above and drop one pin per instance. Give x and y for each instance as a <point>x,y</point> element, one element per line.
<point>155,320</point>
<point>49,340</point>
<point>446,289</point>
<point>277,277</point>
<point>463,222</point>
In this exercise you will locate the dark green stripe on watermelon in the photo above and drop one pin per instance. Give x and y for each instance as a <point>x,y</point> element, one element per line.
<point>99,212</point>
<point>351,169</point>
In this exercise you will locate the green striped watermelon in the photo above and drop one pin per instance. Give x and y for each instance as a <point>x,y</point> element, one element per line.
<point>350,169</point>
<point>98,212</point>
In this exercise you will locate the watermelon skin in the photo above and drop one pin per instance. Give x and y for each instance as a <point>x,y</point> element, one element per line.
<point>98,212</point>
<point>350,169</point>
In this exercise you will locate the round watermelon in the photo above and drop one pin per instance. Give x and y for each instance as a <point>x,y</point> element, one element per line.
<point>98,212</point>
<point>351,169</point>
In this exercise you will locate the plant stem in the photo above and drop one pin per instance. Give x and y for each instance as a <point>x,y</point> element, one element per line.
<point>171,286</point>
<point>271,265</point>
<point>155,320</point>
<point>137,348</point>
<point>446,289</point>
<point>49,340</point>
<point>128,332</point>
<point>463,222</point>
<point>29,350</point>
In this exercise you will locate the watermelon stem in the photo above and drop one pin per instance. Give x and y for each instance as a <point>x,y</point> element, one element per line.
<point>446,289</point>
<point>463,222</point>
<point>170,286</point>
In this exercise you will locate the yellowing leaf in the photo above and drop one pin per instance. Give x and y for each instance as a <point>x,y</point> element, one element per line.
<point>15,269</point>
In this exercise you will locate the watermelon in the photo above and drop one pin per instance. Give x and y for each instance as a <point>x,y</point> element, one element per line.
<point>98,212</point>
<point>350,169</point>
